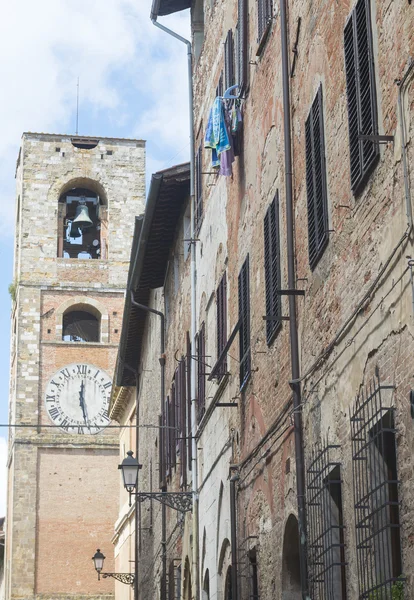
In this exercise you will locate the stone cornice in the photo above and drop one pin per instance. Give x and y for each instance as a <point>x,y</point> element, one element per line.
<point>119,402</point>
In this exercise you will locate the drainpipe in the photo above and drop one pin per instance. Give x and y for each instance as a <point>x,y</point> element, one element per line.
<point>163,488</point>
<point>194,472</point>
<point>294,346</point>
<point>233,534</point>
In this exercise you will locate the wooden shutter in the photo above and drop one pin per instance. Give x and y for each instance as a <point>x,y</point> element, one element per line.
<point>361,94</point>
<point>229,60</point>
<point>161,451</point>
<point>244,316</point>
<point>221,299</point>
<point>219,89</point>
<point>198,209</point>
<point>167,437</point>
<point>242,45</point>
<point>173,426</point>
<point>201,371</point>
<point>272,269</point>
<point>183,423</point>
<point>264,16</point>
<point>189,428</point>
<point>318,233</point>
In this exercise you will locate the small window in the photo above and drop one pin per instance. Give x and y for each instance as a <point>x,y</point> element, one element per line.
<point>272,270</point>
<point>80,326</point>
<point>198,209</point>
<point>361,94</point>
<point>318,234</point>
<point>244,317</point>
<point>264,21</point>
<point>221,299</point>
<point>229,60</point>
<point>253,576</point>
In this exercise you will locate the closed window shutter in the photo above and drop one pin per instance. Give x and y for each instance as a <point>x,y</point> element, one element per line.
<point>219,89</point>
<point>161,451</point>
<point>201,375</point>
<point>173,425</point>
<point>182,433</point>
<point>244,316</point>
<point>242,45</point>
<point>198,211</point>
<point>264,16</point>
<point>229,60</point>
<point>189,429</point>
<point>272,269</point>
<point>316,188</point>
<point>222,323</point>
<point>167,438</point>
<point>361,95</point>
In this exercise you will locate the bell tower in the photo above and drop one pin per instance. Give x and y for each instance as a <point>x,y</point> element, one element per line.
<point>76,202</point>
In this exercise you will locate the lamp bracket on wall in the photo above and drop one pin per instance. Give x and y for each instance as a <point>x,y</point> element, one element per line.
<point>181,501</point>
<point>128,578</point>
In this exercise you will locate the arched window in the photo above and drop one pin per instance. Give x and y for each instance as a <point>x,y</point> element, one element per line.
<point>81,224</point>
<point>291,588</point>
<point>228,588</point>
<point>80,326</point>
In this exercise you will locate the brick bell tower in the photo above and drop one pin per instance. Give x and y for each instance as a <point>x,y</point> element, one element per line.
<point>76,203</point>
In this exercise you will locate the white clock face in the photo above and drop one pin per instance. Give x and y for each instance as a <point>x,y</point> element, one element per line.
<point>77,398</point>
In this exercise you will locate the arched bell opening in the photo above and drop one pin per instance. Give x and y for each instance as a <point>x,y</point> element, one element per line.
<point>81,324</point>
<point>291,588</point>
<point>82,223</point>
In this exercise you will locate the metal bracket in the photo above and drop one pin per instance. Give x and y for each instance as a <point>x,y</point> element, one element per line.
<point>181,501</point>
<point>290,292</point>
<point>127,578</point>
<point>274,318</point>
<point>376,139</point>
<point>231,404</point>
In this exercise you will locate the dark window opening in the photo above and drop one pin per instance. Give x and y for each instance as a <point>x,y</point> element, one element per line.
<point>272,270</point>
<point>80,326</point>
<point>228,588</point>
<point>221,299</point>
<point>376,494</point>
<point>253,576</point>
<point>361,94</point>
<point>317,200</point>
<point>325,526</point>
<point>244,317</point>
<point>81,225</point>
<point>291,587</point>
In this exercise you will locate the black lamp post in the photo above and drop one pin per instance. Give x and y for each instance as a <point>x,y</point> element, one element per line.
<point>98,561</point>
<point>130,468</point>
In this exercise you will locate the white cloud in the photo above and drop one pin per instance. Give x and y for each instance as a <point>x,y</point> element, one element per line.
<point>3,476</point>
<point>132,75</point>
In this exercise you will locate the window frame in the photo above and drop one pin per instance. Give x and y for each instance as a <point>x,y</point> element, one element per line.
<point>221,331</point>
<point>316,183</point>
<point>273,272</point>
<point>244,316</point>
<point>198,198</point>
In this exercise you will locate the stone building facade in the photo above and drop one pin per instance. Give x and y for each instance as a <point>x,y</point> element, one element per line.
<point>304,311</point>
<point>68,295</point>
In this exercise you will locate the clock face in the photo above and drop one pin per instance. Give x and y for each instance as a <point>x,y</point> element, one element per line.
<point>77,398</point>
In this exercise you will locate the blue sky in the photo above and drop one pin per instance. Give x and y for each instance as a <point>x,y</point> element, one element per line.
<point>133,83</point>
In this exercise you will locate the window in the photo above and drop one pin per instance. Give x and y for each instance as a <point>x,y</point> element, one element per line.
<point>81,225</point>
<point>360,88</point>
<point>219,89</point>
<point>228,588</point>
<point>272,270</point>
<point>181,418</point>
<point>318,233</point>
<point>198,209</point>
<point>80,326</point>
<point>244,316</point>
<point>201,371</point>
<point>264,20</point>
<point>376,495</point>
<point>325,525</point>
<point>253,576</point>
<point>189,360</point>
<point>229,61</point>
<point>221,300</point>
<point>241,58</point>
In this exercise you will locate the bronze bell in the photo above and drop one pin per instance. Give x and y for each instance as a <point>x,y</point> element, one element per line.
<point>74,232</point>
<point>82,220</point>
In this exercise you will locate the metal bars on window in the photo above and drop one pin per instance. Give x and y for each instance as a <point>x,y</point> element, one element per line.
<point>244,317</point>
<point>318,233</point>
<point>325,523</point>
<point>272,270</point>
<point>375,482</point>
<point>361,94</point>
<point>221,299</point>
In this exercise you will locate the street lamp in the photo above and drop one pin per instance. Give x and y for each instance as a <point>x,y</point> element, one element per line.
<point>130,468</point>
<point>98,561</point>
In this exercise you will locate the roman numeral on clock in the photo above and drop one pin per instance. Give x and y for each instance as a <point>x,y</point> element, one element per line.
<point>65,424</point>
<point>53,412</point>
<point>82,369</point>
<point>50,398</point>
<point>65,373</point>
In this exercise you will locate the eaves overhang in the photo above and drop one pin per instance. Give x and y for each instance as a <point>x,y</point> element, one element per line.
<point>161,8</point>
<point>153,239</point>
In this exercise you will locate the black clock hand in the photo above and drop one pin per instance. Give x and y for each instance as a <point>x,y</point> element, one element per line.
<point>82,402</point>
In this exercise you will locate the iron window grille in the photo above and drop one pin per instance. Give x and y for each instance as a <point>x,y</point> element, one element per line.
<point>229,60</point>
<point>376,496</point>
<point>318,228</point>
<point>221,299</point>
<point>361,94</point>
<point>201,371</point>
<point>264,20</point>
<point>325,525</point>
<point>272,270</point>
<point>198,209</point>
<point>244,318</point>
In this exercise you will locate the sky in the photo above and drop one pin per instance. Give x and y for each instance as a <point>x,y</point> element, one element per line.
<point>132,83</point>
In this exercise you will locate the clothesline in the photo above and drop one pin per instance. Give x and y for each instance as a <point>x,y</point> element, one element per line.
<point>223,124</point>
